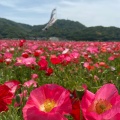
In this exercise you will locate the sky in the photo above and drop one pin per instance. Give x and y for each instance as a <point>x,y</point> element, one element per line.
<point>87,12</point>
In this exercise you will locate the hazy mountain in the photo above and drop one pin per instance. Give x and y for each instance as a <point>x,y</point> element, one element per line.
<point>64,29</point>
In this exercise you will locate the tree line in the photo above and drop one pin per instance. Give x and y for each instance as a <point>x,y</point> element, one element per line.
<point>62,29</point>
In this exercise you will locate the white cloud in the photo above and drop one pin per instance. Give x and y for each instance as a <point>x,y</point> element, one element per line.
<point>92,14</point>
<point>7,3</point>
<point>87,12</point>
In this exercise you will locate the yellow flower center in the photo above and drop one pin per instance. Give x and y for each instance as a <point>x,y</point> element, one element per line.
<point>19,61</point>
<point>48,105</point>
<point>102,106</point>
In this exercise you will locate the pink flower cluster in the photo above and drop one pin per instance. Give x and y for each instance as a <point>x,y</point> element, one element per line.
<point>52,102</point>
<point>104,105</point>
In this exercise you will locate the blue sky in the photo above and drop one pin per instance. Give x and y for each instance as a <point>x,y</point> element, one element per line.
<point>87,12</point>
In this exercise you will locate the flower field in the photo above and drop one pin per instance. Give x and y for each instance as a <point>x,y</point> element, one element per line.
<point>59,80</point>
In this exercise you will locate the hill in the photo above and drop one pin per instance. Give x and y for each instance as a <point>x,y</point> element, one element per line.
<point>100,33</point>
<point>64,29</point>
<point>11,29</point>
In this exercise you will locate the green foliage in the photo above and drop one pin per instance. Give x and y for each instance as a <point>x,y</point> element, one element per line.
<point>11,114</point>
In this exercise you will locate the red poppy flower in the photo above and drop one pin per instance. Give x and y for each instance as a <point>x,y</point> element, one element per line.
<point>5,97</point>
<point>55,60</point>
<point>49,71</point>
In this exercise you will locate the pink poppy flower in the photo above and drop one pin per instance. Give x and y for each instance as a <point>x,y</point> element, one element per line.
<point>34,76</point>
<point>65,51</point>
<point>88,66</point>
<point>65,59</point>
<point>8,61</point>
<point>111,58</point>
<point>8,55</point>
<point>30,61</point>
<point>48,102</point>
<point>12,49</point>
<point>30,83</point>
<point>13,85</point>
<point>92,49</point>
<point>43,57</point>
<point>104,105</point>
<point>19,61</point>
<point>43,64</point>
<point>75,55</point>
